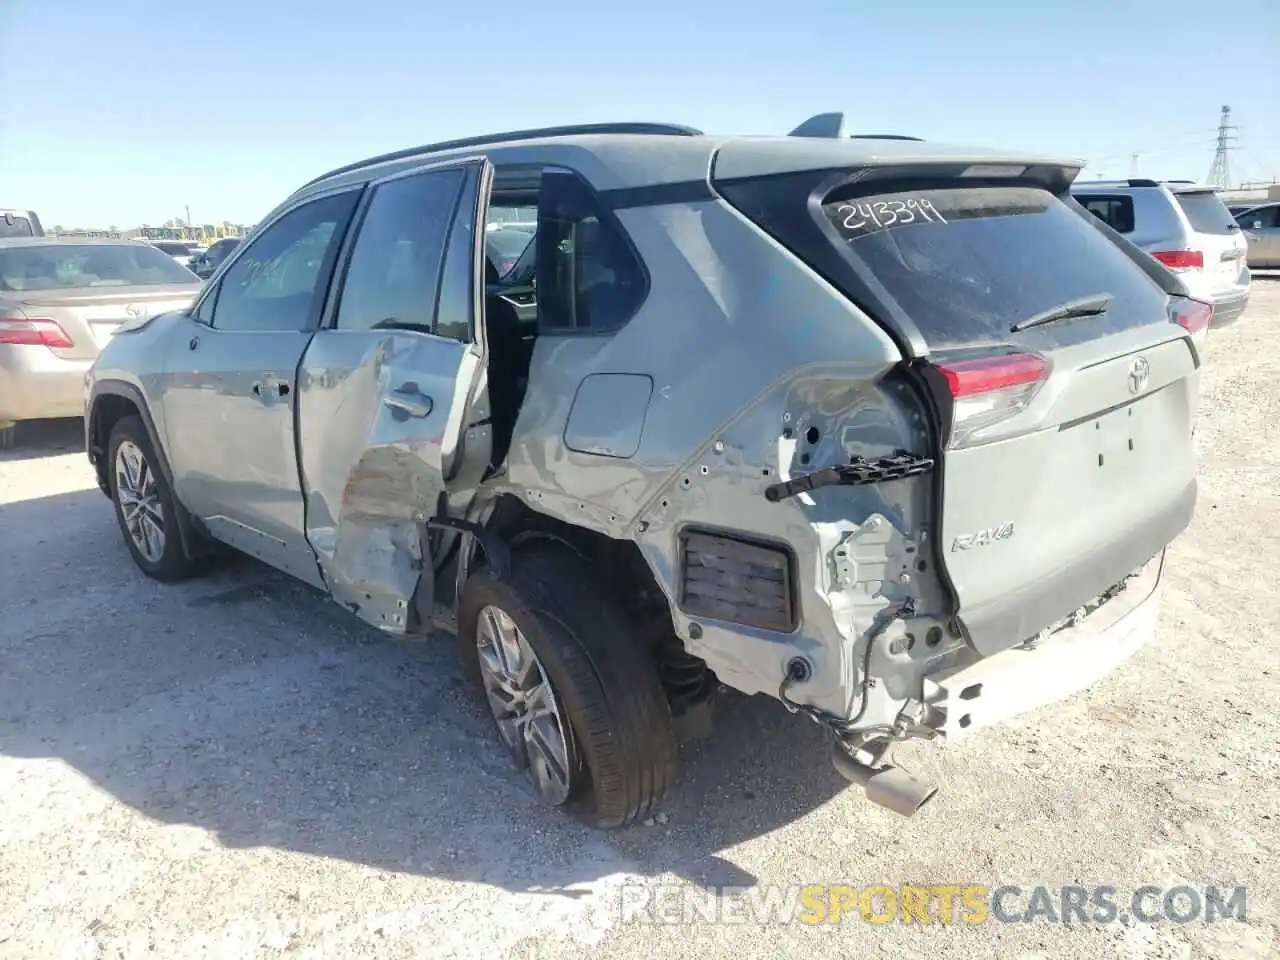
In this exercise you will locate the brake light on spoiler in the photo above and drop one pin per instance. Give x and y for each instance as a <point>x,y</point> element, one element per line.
<point>988,389</point>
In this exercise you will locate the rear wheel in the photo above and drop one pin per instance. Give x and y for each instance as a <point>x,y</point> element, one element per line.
<point>574,694</point>
<point>145,507</point>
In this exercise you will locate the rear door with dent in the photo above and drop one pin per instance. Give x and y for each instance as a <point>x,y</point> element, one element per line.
<point>391,384</point>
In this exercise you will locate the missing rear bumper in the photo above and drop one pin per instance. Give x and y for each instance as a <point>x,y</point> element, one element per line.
<point>997,688</point>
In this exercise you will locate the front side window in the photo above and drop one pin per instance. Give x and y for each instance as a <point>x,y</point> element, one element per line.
<point>394,271</point>
<point>278,281</point>
<point>63,266</point>
<point>1263,218</point>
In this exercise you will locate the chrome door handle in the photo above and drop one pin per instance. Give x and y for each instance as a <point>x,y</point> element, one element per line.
<point>408,401</point>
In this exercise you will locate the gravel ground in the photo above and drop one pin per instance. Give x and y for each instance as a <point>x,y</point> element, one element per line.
<point>234,767</point>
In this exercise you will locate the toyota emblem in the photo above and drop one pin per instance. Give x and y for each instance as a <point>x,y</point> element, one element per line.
<point>1139,374</point>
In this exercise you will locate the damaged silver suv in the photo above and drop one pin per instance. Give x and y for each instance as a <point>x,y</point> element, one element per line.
<point>893,432</point>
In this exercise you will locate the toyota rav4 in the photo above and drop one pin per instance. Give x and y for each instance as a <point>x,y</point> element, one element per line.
<point>893,432</point>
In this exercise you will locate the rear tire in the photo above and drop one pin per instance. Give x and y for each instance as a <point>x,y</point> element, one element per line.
<point>145,507</point>
<point>620,747</point>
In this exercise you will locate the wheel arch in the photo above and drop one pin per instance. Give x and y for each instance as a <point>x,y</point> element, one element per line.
<point>110,401</point>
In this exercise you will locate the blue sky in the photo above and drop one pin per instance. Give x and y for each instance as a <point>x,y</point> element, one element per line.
<point>126,112</point>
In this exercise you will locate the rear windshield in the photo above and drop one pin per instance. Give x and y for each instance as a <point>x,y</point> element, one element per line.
<point>1207,213</point>
<point>51,267</point>
<point>966,264</point>
<point>15,226</point>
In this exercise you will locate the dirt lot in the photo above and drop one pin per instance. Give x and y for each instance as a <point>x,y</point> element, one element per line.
<point>235,768</point>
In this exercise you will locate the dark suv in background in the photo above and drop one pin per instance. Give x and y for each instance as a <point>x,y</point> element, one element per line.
<point>204,264</point>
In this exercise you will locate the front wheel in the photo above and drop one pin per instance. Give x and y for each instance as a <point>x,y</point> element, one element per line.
<point>145,507</point>
<point>574,693</point>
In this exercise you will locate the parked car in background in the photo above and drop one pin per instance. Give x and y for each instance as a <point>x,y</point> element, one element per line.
<point>61,300</point>
<point>1183,225</point>
<point>1261,226</point>
<point>181,252</point>
<point>20,223</point>
<point>204,264</point>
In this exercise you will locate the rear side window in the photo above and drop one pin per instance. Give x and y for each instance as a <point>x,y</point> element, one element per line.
<point>1207,214</point>
<point>1116,211</point>
<point>12,225</point>
<point>394,271</point>
<point>589,277</point>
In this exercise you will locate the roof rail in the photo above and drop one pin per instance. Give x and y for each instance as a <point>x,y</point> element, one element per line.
<point>569,130</point>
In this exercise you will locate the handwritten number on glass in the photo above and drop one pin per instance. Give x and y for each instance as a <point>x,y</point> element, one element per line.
<point>887,213</point>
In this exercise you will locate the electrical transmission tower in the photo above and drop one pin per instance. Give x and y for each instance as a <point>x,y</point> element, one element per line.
<point>1219,172</point>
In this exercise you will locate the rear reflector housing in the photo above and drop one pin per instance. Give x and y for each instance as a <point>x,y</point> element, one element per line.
<point>23,331</point>
<point>1181,259</point>
<point>986,390</point>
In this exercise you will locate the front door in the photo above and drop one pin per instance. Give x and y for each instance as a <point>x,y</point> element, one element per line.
<point>231,386</point>
<point>392,399</point>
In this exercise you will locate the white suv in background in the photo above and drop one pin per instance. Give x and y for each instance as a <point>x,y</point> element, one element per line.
<point>1186,227</point>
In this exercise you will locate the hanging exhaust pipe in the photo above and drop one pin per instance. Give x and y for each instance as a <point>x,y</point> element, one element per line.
<point>886,785</point>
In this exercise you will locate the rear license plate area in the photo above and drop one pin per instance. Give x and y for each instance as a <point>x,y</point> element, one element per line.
<point>1118,447</point>
<point>103,331</point>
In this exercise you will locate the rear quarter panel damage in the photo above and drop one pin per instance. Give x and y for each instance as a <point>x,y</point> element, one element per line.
<point>749,352</point>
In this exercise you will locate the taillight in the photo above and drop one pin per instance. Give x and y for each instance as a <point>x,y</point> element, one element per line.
<point>986,390</point>
<point>1194,316</point>
<point>33,333</point>
<point>1181,259</point>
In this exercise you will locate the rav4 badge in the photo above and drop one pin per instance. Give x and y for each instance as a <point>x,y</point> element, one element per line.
<point>967,541</point>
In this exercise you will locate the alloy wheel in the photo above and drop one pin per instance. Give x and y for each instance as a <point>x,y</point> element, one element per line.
<point>139,500</point>
<point>523,704</point>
